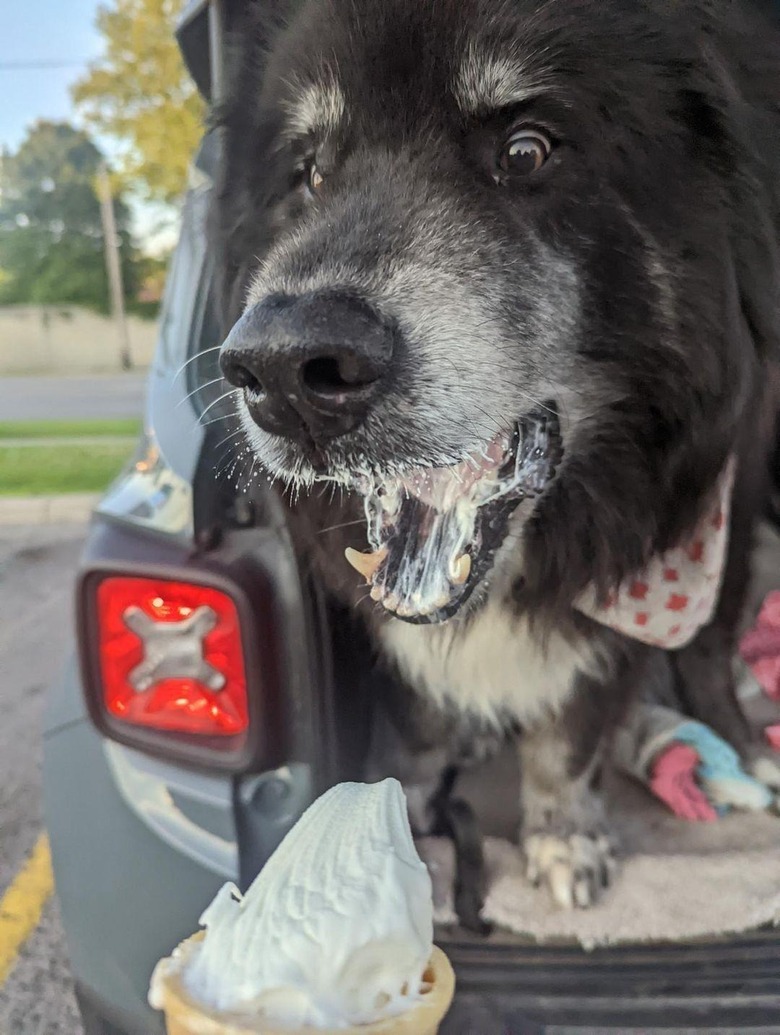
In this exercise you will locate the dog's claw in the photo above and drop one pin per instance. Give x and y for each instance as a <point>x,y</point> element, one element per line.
<point>767,771</point>
<point>585,888</point>
<point>576,868</point>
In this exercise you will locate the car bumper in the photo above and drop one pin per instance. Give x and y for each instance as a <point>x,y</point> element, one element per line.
<point>128,893</point>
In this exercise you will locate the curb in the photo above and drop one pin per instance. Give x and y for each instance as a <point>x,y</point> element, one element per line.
<point>75,508</point>
<point>69,440</point>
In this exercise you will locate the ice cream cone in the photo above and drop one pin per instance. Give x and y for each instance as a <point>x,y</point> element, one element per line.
<point>185,1016</point>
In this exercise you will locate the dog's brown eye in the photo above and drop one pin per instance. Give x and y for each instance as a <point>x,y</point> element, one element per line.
<point>316,179</point>
<point>524,153</point>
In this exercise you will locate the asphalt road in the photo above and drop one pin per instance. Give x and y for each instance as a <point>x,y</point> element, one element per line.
<point>72,398</point>
<point>36,579</point>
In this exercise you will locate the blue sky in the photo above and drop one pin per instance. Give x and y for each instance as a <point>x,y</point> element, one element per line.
<point>41,30</point>
<point>45,31</point>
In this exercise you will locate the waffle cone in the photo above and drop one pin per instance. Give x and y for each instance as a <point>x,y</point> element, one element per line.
<point>185,1016</point>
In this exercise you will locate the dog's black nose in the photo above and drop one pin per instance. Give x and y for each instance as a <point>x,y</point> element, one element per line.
<point>316,361</point>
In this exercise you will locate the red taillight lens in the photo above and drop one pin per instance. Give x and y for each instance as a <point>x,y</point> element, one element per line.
<point>171,656</point>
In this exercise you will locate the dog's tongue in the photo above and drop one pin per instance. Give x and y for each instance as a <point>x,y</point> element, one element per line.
<point>423,555</point>
<point>432,534</point>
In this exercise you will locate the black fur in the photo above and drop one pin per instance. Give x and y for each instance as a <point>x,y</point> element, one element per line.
<point>663,198</point>
<point>674,113</point>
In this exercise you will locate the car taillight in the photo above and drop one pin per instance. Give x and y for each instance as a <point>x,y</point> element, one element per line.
<point>171,657</point>
<point>198,657</point>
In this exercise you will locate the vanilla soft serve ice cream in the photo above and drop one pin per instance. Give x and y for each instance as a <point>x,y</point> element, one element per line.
<point>337,929</point>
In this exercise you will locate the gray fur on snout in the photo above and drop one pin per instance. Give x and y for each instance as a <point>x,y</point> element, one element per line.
<point>484,333</point>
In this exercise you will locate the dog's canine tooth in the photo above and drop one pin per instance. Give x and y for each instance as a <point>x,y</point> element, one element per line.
<point>366,564</point>
<point>460,569</point>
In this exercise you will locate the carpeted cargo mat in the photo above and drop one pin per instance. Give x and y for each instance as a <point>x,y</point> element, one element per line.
<point>678,880</point>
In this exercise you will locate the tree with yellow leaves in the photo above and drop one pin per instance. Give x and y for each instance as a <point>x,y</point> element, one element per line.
<point>139,93</point>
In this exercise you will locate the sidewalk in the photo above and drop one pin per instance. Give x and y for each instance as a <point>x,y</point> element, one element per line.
<point>74,507</point>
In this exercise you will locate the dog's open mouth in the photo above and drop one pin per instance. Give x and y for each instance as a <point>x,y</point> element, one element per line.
<point>434,531</point>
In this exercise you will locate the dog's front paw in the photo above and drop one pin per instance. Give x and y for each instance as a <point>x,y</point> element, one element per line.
<point>576,868</point>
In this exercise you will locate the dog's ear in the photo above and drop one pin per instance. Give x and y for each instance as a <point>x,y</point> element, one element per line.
<point>756,254</point>
<point>241,188</point>
<point>755,249</point>
<point>747,86</point>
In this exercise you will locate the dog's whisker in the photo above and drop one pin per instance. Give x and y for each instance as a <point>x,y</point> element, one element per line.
<point>225,395</point>
<point>228,460</point>
<point>230,454</point>
<point>227,438</point>
<point>242,481</point>
<point>345,524</point>
<point>200,388</point>
<point>531,401</point>
<point>222,417</point>
<point>192,359</point>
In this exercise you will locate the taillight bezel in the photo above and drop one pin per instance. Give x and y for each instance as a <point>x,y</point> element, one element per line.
<point>260,746</point>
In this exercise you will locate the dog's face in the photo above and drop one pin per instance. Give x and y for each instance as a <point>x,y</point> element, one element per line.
<point>492,240</point>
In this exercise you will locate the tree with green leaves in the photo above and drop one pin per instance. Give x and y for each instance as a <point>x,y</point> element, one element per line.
<point>51,235</point>
<point>140,93</point>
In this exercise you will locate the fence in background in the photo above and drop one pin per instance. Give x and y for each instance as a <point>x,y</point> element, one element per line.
<point>68,340</point>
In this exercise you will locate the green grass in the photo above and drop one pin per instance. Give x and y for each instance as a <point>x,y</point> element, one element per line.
<point>10,430</point>
<point>44,470</point>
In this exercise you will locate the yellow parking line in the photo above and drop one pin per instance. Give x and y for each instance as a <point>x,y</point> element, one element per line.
<point>22,904</point>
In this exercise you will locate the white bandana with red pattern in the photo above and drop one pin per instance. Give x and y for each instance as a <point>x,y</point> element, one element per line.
<point>667,603</point>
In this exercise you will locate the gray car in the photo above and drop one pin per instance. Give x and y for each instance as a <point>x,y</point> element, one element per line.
<point>171,769</point>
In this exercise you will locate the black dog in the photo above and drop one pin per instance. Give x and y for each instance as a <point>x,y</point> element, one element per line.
<point>506,284</point>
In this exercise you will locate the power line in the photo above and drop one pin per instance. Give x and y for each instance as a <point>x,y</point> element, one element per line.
<point>23,66</point>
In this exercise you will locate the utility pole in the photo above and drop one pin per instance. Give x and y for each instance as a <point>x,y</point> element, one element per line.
<point>216,44</point>
<point>113,267</point>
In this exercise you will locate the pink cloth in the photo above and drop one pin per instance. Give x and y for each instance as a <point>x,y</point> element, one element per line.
<point>675,596</point>
<point>772,734</point>
<point>673,780</point>
<point>760,646</point>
